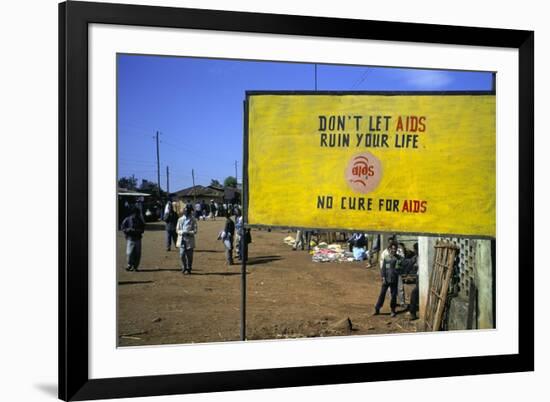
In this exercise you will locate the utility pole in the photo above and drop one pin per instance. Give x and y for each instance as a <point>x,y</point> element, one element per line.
<point>316,76</point>
<point>194,190</point>
<point>158,163</point>
<point>236,179</point>
<point>167,180</point>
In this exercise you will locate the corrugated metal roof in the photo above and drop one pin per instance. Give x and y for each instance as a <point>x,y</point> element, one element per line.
<point>200,191</point>
<point>133,194</point>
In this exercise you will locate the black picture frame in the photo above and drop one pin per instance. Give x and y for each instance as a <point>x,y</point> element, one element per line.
<point>74,18</point>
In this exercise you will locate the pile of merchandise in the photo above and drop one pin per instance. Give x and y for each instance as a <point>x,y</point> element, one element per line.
<point>289,240</point>
<point>330,253</point>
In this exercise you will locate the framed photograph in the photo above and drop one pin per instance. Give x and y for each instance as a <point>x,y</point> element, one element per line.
<point>261,201</point>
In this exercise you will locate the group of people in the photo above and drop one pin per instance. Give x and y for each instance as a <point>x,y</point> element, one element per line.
<point>180,231</point>
<point>203,211</point>
<point>396,262</point>
<point>235,236</point>
<point>359,246</point>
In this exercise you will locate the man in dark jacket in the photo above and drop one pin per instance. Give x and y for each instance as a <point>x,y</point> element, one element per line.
<point>188,207</point>
<point>410,267</point>
<point>390,274</point>
<point>133,227</point>
<point>213,210</point>
<point>171,219</point>
<point>227,237</point>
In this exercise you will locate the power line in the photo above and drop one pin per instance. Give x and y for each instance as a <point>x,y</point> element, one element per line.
<point>361,79</point>
<point>316,76</point>
<point>138,170</point>
<point>133,127</point>
<point>142,164</point>
<point>158,162</point>
<point>357,80</point>
<point>167,180</point>
<point>206,175</point>
<point>191,152</point>
<point>193,175</point>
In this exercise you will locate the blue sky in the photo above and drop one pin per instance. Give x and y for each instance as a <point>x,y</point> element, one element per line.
<point>197,106</point>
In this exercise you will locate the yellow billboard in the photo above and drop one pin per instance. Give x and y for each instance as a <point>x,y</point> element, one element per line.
<point>384,162</point>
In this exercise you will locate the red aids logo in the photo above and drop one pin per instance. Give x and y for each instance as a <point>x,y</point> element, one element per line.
<point>363,172</point>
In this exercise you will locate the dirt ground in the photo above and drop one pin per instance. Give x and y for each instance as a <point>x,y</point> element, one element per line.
<point>288,295</point>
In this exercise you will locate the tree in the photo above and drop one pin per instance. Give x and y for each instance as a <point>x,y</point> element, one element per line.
<point>129,183</point>
<point>149,187</point>
<point>230,181</point>
<point>215,183</point>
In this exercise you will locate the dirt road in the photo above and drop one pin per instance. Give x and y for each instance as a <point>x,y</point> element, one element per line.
<point>288,294</point>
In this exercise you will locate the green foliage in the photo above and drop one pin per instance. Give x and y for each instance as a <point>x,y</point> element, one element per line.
<point>129,183</point>
<point>149,187</point>
<point>230,181</point>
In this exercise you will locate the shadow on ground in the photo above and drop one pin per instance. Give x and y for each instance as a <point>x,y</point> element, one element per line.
<point>216,273</point>
<point>262,259</point>
<point>133,282</point>
<point>159,270</point>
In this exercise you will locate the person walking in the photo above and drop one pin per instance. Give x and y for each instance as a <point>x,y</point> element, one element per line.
<point>390,273</point>
<point>213,211</point>
<point>299,242</point>
<point>186,229</point>
<point>171,219</point>
<point>228,235</point>
<point>167,207</point>
<point>188,207</point>
<point>139,206</point>
<point>238,231</point>
<point>133,227</point>
<point>197,210</point>
<point>204,210</point>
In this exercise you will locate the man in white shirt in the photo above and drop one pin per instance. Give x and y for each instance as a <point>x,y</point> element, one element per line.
<point>186,229</point>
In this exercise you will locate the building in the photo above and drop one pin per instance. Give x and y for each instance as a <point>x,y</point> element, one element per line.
<point>198,193</point>
<point>471,295</point>
<point>128,198</point>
